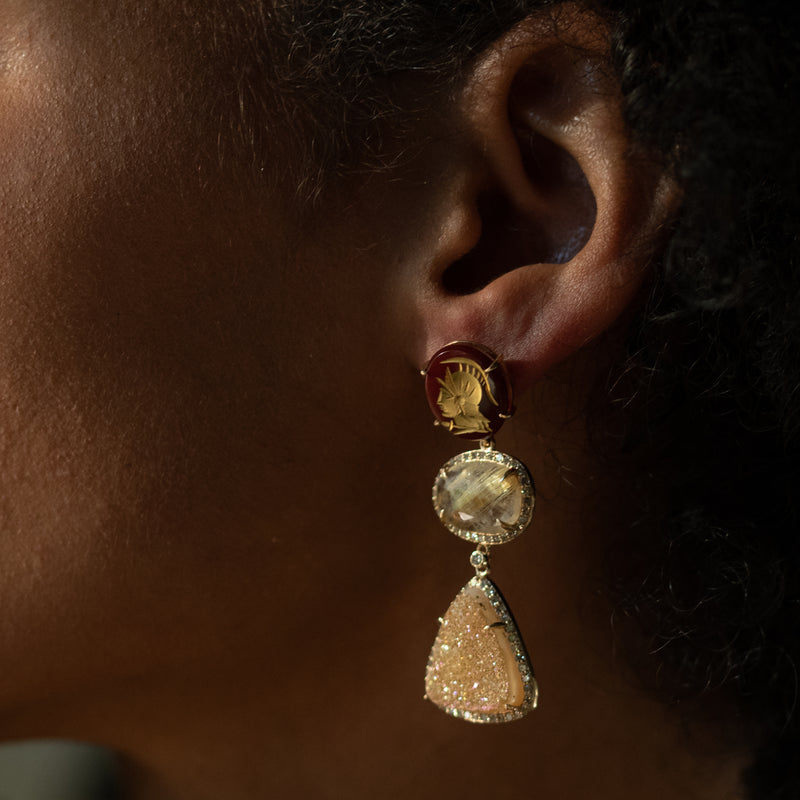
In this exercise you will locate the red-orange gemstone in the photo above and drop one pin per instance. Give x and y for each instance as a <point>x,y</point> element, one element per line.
<point>468,390</point>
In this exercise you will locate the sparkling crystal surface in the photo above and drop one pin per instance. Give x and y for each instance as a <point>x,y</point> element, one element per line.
<point>478,668</point>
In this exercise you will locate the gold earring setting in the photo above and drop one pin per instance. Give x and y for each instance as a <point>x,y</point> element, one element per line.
<point>478,669</point>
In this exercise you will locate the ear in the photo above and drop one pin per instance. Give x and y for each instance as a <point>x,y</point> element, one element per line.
<point>549,226</point>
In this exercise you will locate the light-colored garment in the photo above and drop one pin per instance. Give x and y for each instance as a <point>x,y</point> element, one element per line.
<point>49,770</point>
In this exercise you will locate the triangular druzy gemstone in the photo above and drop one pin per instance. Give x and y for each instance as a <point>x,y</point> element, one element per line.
<point>478,669</point>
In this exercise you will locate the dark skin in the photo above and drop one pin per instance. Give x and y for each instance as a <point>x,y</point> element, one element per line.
<point>215,456</point>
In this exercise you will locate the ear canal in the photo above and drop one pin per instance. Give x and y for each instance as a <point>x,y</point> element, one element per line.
<point>550,224</point>
<point>548,213</point>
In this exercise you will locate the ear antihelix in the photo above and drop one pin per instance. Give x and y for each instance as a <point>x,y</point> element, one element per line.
<point>546,222</point>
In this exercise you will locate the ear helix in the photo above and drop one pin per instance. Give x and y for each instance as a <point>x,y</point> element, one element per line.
<point>478,669</point>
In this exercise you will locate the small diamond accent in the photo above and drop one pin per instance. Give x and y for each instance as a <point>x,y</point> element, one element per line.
<point>478,559</point>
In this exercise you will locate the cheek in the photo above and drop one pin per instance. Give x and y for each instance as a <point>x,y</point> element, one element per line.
<point>136,314</point>
<point>114,317</point>
<point>161,364</point>
<point>68,149</point>
<point>174,390</point>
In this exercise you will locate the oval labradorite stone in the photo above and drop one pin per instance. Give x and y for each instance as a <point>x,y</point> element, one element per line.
<point>484,497</point>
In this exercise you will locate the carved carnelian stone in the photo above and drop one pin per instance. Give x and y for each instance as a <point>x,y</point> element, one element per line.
<point>468,390</point>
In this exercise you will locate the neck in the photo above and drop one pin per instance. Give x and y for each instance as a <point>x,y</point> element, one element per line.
<point>310,683</point>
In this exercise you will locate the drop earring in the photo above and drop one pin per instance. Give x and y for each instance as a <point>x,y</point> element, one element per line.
<point>478,669</point>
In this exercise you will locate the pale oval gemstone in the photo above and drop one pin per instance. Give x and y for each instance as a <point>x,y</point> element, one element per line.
<point>481,497</point>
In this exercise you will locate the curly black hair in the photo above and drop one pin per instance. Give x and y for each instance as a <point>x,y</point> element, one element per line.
<point>711,90</point>
<point>713,87</point>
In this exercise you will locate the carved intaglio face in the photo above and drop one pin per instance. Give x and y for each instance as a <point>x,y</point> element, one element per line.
<point>464,387</point>
<point>468,390</point>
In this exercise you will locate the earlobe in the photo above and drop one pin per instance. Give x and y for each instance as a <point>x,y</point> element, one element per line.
<point>559,221</point>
